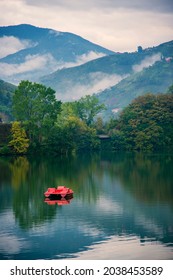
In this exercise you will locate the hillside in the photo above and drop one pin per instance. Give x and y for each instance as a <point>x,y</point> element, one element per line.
<point>6,92</point>
<point>154,79</point>
<point>102,73</point>
<point>40,51</point>
<point>75,67</point>
<point>74,82</point>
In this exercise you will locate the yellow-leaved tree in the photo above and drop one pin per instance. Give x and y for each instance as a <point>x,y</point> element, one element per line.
<point>19,142</point>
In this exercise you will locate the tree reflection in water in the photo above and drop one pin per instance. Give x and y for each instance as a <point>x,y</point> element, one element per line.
<point>114,194</point>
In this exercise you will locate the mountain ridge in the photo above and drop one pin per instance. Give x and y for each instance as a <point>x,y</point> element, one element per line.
<point>75,67</point>
<point>107,71</point>
<point>46,49</point>
<point>155,79</point>
<point>6,92</point>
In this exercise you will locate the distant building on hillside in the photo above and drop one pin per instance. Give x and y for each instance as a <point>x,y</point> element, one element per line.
<point>140,49</point>
<point>168,59</point>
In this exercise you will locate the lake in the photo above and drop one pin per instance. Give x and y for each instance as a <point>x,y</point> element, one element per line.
<point>122,207</point>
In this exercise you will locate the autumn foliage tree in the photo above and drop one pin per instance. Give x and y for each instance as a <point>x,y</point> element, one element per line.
<point>147,123</point>
<point>19,141</point>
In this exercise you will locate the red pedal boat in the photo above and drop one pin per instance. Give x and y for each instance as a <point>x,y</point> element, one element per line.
<point>59,192</point>
<point>60,202</point>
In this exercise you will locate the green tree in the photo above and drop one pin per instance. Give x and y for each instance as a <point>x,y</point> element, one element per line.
<point>19,142</point>
<point>68,109</point>
<point>87,108</point>
<point>70,132</point>
<point>36,107</point>
<point>146,123</point>
<point>99,125</point>
<point>117,140</point>
<point>83,136</point>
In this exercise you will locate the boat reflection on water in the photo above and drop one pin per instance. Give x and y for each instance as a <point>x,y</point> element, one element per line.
<point>60,202</point>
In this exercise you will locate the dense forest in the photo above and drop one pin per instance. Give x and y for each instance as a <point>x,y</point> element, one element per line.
<point>43,124</point>
<point>6,93</point>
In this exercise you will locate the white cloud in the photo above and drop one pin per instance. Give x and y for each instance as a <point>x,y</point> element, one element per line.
<point>106,205</point>
<point>109,4</point>
<point>32,63</point>
<point>101,81</point>
<point>146,62</point>
<point>9,242</point>
<point>98,81</point>
<point>125,247</point>
<point>117,25</point>
<point>80,59</point>
<point>55,33</point>
<point>41,65</point>
<point>10,45</point>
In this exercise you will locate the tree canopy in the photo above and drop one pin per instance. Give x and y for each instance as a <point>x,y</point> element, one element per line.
<point>88,107</point>
<point>36,107</point>
<point>147,123</point>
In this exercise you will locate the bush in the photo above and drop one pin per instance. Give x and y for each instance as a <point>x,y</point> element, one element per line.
<point>5,150</point>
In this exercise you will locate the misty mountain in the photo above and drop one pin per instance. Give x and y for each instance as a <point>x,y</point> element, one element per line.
<point>103,73</point>
<point>28,52</point>
<point>75,67</point>
<point>154,79</point>
<point>6,93</point>
<point>93,76</point>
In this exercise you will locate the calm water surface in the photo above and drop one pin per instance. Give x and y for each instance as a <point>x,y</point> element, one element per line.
<point>122,207</point>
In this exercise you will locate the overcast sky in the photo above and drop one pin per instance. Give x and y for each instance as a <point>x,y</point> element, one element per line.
<point>119,25</point>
